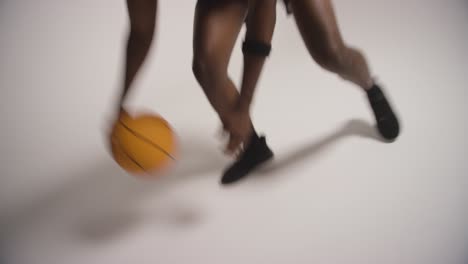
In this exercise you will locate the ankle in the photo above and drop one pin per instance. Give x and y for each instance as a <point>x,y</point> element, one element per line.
<point>368,85</point>
<point>374,92</point>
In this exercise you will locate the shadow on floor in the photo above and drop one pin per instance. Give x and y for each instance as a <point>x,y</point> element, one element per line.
<point>101,202</point>
<point>352,128</point>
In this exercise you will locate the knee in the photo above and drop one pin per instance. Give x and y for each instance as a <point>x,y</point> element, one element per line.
<point>198,69</point>
<point>331,56</point>
<point>205,65</point>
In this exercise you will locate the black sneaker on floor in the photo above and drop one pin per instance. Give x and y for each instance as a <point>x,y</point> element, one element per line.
<point>254,155</point>
<point>387,122</point>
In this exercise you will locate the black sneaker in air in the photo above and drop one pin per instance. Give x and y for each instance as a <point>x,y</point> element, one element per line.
<point>254,155</point>
<point>387,122</point>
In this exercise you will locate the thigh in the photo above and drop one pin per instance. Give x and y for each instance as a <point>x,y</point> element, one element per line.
<point>216,28</point>
<point>317,23</point>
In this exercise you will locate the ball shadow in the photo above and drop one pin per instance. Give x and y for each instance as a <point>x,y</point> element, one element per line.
<point>102,202</point>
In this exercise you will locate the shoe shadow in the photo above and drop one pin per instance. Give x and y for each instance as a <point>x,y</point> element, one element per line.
<point>101,202</point>
<point>355,127</point>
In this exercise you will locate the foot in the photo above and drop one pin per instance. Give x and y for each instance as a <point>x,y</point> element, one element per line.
<point>387,122</point>
<point>254,155</point>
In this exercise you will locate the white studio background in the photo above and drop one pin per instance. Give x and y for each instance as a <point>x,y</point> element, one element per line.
<point>332,195</point>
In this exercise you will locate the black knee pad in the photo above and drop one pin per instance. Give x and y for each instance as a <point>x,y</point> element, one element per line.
<point>257,48</point>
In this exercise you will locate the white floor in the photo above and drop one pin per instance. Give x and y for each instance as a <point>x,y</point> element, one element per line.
<point>335,194</point>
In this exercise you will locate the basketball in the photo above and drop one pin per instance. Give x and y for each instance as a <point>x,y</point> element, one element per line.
<point>143,144</point>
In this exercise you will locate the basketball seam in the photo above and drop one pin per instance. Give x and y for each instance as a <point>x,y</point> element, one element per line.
<point>146,140</point>
<point>130,157</point>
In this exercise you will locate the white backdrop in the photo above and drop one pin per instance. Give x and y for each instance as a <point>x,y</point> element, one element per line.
<point>334,193</point>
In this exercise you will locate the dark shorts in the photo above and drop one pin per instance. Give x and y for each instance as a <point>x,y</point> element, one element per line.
<point>215,2</point>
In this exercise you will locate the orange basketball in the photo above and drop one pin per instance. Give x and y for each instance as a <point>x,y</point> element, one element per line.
<point>143,144</point>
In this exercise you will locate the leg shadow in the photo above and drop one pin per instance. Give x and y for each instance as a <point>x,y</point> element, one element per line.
<point>355,127</point>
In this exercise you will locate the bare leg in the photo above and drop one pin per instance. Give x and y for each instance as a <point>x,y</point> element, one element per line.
<point>216,28</point>
<point>142,15</point>
<point>317,23</point>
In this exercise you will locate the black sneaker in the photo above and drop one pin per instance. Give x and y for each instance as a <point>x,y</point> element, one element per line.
<point>254,155</point>
<point>387,122</point>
